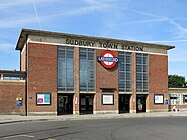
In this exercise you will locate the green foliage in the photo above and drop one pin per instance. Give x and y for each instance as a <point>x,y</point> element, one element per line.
<point>175,81</point>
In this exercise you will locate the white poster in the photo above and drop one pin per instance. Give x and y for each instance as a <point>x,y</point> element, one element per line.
<point>159,99</point>
<point>108,99</point>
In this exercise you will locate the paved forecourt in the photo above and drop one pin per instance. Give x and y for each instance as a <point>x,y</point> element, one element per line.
<point>17,118</point>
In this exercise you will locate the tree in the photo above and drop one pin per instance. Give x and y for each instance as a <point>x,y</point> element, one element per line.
<point>175,81</point>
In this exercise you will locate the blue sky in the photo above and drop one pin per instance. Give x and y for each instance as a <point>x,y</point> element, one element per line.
<point>154,21</point>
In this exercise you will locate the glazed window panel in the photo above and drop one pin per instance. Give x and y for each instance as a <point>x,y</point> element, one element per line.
<point>145,86</point>
<point>121,84</point>
<point>184,99</point>
<point>90,64</point>
<point>124,71</point>
<point>90,56</point>
<point>65,68</point>
<point>139,85</point>
<point>60,83</point>
<point>145,77</point>
<point>142,73</point>
<point>145,68</point>
<point>128,76</point>
<point>174,99</point>
<point>138,76</point>
<point>91,84</point>
<point>128,86</point>
<point>139,68</point>
<point>145,60</point>
<point>138,59</point>
<point>122,74</point>
<point>121,66</point>
<point>87,69</point>
<point>128,67</point>
<point>128,58</point>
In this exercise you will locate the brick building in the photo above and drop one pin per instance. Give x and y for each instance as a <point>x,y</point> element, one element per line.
<point>75,74</point>
<point>12,90</point>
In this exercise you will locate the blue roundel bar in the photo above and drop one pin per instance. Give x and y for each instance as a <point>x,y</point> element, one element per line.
<point>107,59</point>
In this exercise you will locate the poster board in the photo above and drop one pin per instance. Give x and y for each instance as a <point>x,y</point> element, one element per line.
<point>159,99</point>
<point>107,99</point>
<point>43,98</point>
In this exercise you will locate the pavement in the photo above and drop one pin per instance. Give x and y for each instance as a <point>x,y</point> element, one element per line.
<point>4,119</point>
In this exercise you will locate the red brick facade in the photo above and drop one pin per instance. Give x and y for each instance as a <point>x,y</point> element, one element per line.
<point>158,69</point>
<point>42,76</point>
<point>9,91</point>
<point>106,79</point>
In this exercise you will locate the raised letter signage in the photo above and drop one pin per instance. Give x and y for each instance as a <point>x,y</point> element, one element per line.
<point>105,45</point>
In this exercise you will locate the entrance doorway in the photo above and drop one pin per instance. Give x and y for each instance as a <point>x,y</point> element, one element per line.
<point>124,103</point>
<point>65,104</point>
<point>86,103</point>
<point>141,103</point>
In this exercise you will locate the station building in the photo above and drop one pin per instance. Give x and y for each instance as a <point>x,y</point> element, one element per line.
<point>75,74</point>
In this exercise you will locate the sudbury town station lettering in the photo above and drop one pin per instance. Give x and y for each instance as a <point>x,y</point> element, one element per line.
<point>103,45</point>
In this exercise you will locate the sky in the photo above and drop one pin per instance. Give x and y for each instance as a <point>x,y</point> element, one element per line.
<point>154,21</point>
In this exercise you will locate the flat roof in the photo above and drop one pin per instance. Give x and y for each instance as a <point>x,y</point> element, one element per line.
<point>178,89</point>
<point>25,32</point>
<point>12,72</point>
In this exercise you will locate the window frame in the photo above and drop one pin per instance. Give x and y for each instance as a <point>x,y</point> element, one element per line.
<point>89,74</point>
<point>124,61</point>
<point>144,71</point>
<point>64,70</point>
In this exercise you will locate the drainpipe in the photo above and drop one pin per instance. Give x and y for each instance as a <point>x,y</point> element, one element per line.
<point>26,79</point>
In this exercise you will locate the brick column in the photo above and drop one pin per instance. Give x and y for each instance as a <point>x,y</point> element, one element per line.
<point>147,103</point>
<point>76,97</point>
<point>133,96</point>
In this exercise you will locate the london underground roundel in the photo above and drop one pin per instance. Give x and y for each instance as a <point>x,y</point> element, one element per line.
<point>108,59</point>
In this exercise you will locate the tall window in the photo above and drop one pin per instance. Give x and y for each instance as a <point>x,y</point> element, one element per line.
<point>142,73</point>
<point>87,69</point>
<point>124,71</point>
<point>66,68</point>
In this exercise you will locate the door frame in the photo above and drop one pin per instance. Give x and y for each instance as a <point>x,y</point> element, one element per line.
<point>127,106</point>
<point>70,97</point>
<point>86,102</point>
<point>142,103</point>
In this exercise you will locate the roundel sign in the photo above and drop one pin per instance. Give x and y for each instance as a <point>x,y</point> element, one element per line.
<point>108,59</point>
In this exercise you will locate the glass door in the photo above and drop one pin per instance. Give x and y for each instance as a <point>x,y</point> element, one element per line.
<point>141,103</point>
<point>86,104</point>
<point>124,103</point>
<point>65,104</point>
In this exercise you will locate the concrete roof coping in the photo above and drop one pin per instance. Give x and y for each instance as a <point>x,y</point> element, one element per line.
<point>12,72</point>
<point>25,32</point>
<point>178,89</point>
